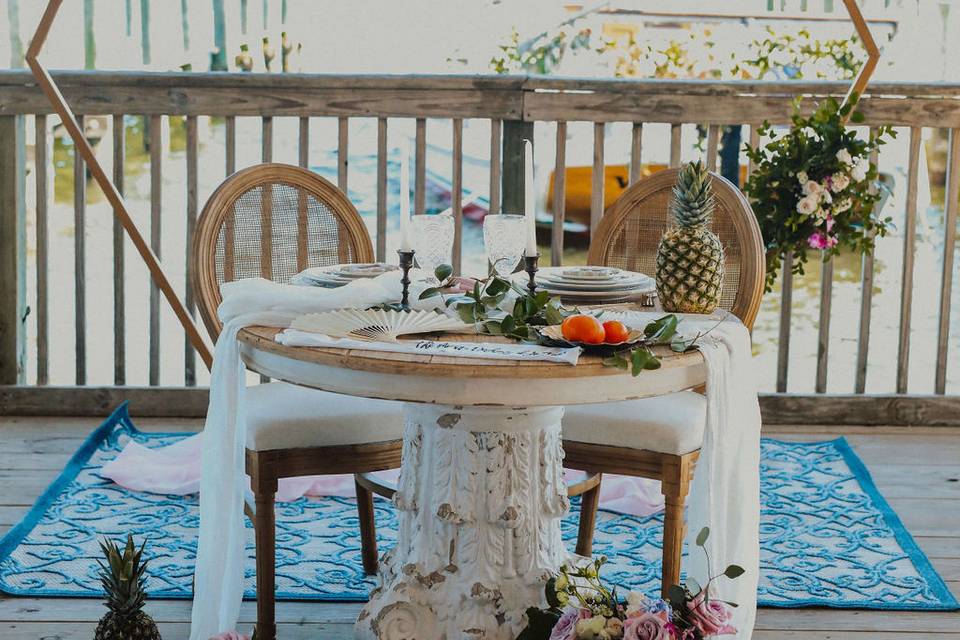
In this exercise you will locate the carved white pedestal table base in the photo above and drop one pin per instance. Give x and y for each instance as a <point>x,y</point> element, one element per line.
<point>480,499</point>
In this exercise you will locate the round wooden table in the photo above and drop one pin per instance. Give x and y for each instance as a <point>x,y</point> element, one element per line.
<point>481,490</point>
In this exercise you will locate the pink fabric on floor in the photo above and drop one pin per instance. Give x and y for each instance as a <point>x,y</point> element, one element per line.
<point>175,470</point>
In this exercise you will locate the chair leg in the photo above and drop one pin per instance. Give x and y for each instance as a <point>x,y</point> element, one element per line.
<point>368,530</point>
<point>265,533</point>
<point>675,485</point>
<point>589,501</point>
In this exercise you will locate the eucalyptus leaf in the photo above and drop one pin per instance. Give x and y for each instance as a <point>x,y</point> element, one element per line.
<point>429,292</point>
<point>702,536</point>
<point>734,571</point>
<point>443,272</point>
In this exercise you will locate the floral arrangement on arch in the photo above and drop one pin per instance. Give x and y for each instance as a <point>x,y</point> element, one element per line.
<point>814,187</point>
<point>581,607</point>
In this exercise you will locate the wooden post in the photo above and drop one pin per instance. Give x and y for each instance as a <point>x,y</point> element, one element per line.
<point>13,256</point>
<point>514,132</point>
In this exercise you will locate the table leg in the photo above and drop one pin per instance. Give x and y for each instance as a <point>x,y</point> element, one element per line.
<point>480,499</point>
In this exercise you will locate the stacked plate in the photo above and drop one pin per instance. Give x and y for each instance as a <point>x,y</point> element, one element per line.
<point>595,285</point>
<point>340,274</point>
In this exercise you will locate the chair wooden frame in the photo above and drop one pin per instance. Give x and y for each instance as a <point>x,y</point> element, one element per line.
<point>267,467</point>
<point>675,472</point>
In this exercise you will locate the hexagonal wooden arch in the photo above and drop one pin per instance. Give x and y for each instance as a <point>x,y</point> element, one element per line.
<point>82,147</point>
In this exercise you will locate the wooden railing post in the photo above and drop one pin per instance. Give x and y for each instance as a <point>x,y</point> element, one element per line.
<point>13,251</point>
<point>514,132</point>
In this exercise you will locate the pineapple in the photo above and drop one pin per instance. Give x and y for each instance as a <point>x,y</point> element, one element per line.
<point>690,257</point>
<point>123,579</point>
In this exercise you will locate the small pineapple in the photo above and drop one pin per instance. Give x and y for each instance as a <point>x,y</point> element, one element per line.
<point>123,578</point>
<point>690,257</point>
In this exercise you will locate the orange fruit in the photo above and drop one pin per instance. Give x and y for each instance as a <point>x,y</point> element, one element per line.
<point>581,328</point>
<point>615,331</point>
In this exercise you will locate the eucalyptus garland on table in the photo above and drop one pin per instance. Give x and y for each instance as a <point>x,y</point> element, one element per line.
<point>483,307</point>
<point>814,186</point>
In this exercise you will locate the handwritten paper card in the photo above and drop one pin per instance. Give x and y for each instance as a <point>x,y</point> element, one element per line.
<point>485,350</point>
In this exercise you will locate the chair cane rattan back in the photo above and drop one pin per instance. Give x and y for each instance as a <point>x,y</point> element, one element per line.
<point>630,231</point>
<point>272,221</point>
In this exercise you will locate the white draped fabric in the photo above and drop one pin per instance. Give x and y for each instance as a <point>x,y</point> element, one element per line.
<point>725,493</point>
<point>218,588</point>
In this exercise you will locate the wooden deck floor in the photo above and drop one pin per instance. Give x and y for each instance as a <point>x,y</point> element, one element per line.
<point>916,469</point>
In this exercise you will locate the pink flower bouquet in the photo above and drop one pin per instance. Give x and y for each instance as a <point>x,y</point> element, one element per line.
<point>581,607</point>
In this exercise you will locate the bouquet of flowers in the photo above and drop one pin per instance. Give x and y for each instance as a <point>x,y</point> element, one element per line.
<point>581,607</point>
<point>814,187</point>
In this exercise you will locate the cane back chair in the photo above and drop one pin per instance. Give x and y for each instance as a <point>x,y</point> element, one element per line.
<point>273,221</point>
<point>660,438</point>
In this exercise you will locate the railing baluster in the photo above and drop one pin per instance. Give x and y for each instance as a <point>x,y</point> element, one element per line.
<point>909,251</point>
<point>949,240</point>
<point>266,139</point>
<point>559,196</point>
<point>420,170</point>
<point>381,189</point>
<point>41,160</point>
<point>303,145</point>
<point>496,130</point>
<point>456,194</point>
<point>786,313</point>
<point>596,188</point>
<point>229,258</point>
<point>304,161</point>
<point>156,208</point>
<point>119,296</point>
<point>866,308</point>
<point>343,153</point>
<point>79,261</point>
<point>713,145</point>
<point>189,355</point>
<point>675,130</point>
<point>266,204</point>
<point>636,147</point>
<point>823,338</point>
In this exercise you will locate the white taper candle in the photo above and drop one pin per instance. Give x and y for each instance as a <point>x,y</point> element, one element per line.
<point>405,196</point>
<point>529,203</point>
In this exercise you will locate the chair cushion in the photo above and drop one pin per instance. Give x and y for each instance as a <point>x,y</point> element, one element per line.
<point>667,424</point>
<point>287,416</point>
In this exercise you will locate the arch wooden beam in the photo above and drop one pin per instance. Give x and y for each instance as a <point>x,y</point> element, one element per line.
<point>62,109</point>
<point>873,52</point>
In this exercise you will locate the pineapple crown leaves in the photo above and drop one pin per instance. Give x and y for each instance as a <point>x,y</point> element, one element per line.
<point>693,199</point>
<point>123,576</point>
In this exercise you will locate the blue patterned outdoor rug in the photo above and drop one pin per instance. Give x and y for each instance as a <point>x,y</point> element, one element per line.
<point>827,537</point>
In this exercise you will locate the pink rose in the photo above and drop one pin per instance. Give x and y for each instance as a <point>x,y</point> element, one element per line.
<point>646,626</point>
<point>711,617</point>
<point>230,635</point>
<point>820,240</point>
<point>566,626</point>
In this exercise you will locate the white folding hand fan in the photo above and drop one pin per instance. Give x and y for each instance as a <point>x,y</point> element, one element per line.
<point>376,324</point>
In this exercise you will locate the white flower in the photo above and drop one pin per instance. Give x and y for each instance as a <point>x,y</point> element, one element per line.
<point>636,603</point>
<point>825,196</point>
<point>802,177</point>
<point>812,188</point>
<point>844,157</point>
<point>839,182</point>
<point>807,205</point>
<point>592,628</point>
<point>859,171</point>
<point>843,205</point>
<point>821,214</point>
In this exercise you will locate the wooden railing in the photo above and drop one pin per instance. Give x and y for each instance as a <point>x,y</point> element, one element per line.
<point>513,106</point>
